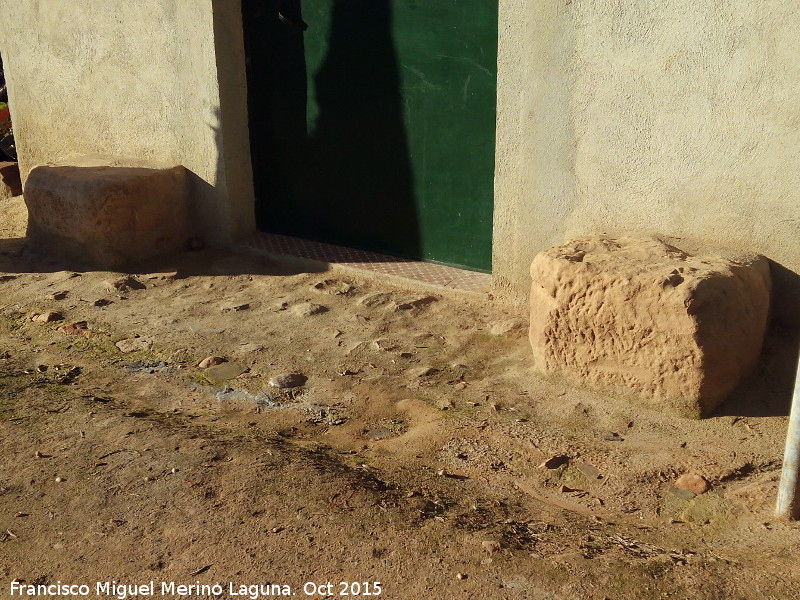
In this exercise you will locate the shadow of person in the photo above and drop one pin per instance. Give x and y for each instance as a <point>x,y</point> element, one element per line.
<point>353,185</point>
<point>364,193</point>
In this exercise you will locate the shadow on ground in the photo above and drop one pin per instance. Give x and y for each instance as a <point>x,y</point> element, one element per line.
<point>16,257</point>
<point>768,392</point>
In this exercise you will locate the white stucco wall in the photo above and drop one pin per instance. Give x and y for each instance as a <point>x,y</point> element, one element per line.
<point>136,81</point>
<point>673,117</point>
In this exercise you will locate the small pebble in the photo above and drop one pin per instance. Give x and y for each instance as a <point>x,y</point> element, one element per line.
<point>692,482</point>
<point>135,344</point>
<point>589,471</point>
<point>308,309</point>
<point>235,307</point>
<point>47,317</point>
<point>423,371</point>
<point>211,361</point>
<point>288,380</point>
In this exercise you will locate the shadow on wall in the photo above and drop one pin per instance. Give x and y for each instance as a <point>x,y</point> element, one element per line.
<point>768,392</point>
<point>206,199</point>
<point>349,179</point>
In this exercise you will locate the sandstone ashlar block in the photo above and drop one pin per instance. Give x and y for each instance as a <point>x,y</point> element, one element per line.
<point>107,217</point>
<point>640,319</point>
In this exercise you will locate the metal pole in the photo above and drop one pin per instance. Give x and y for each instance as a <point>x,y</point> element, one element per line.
<point>788,505</point>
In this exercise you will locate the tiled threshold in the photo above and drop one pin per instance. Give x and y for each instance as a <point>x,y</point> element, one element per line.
<point>421,272</point>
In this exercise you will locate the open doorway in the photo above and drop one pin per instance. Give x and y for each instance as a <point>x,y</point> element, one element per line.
<point>8,150</point>
<point>372,124</point>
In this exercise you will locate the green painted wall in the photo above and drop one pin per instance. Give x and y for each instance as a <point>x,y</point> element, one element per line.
<point>375,126</point>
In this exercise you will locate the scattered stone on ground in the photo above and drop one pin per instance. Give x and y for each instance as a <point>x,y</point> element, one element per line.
<point>420,372</point>
<point>506,327</point>
<point>234,307</point>
<point>334,286</point>
<point>149,367</point>
<point>221,373</point>
<point>47,317</point>
<point>384,344</point>
<point>136,344</point>
<point>416,303</point>
<point>692,482</point>
<point>211,361</point>
<point>491,546</point>
<point>308,309</point>
<point>288,380</point>
<point>376,300</point>
<point>80,328</point>
<point>352,462</point>
<point>249,348</point>
<point>590,471</point>
<point>444,404</point>
<point>127,283</point>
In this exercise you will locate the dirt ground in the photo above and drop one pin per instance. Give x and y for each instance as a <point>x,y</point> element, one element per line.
<point>412,455</point>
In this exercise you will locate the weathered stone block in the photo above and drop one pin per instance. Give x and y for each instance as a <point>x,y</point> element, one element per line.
<point>641,319</point>
<point>106,216</point>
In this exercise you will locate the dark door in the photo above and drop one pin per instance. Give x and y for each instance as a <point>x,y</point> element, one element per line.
<point>373,123</point>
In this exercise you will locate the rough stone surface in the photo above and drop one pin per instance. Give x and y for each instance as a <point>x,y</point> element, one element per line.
<point>107,217</point>
<point>638,318</point>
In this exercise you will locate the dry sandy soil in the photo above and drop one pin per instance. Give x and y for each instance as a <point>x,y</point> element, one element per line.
<point>412,455</point>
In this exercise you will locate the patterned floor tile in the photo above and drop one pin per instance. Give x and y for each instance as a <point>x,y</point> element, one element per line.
<point>430,273</point>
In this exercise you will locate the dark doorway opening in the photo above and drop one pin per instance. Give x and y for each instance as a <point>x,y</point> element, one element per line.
<point>372,124</point>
